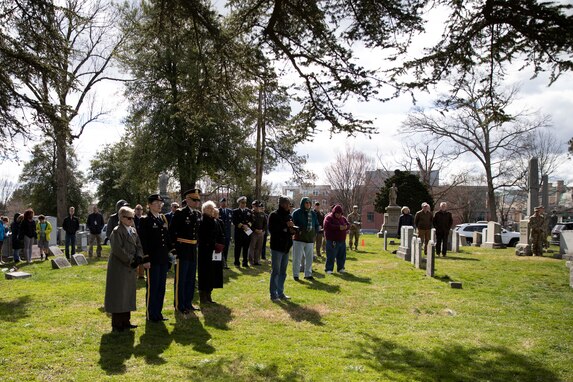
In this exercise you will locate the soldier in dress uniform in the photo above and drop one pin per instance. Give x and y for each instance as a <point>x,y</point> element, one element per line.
<point>242,220</point>
<point>183,231</point>
<point>154,234</point>
<point>536,228</point>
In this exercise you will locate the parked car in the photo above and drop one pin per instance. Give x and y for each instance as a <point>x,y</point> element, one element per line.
<point>556,231</point>
<point>508,238</point>
<point>102,234</point>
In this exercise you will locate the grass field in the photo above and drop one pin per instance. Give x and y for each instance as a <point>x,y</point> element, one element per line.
<point>382,321</point>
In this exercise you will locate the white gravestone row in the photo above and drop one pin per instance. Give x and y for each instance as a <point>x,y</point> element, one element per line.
<point>523,248</point>
<point>404,250</point>
<point>493,236</point>
<point>430,259</point>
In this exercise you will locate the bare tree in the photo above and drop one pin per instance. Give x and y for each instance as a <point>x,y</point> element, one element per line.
<point>79,42</point>
<point>541,144</point>
<point>348,178</point>
<point>476,123</point>
<point>7,188</point>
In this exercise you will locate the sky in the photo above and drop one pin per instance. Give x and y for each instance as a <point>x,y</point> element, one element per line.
<point>535,95</point>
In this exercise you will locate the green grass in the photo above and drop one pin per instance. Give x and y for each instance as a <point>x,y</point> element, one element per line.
<point>383,321</point>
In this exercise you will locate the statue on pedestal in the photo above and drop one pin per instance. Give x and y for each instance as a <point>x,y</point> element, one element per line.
<point>393,195</point>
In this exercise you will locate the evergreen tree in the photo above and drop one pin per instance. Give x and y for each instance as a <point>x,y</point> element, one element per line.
<point>411,192</point>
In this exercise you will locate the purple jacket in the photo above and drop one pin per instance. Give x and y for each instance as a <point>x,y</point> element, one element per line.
<point>332,225</point>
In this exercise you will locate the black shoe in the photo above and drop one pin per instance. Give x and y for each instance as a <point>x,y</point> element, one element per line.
<point>117,329</point>
<point>194,308</point>
<point>308,278</point>
<point>284,297</point>
<point>131,326</point>
<point>295,278</point>
<point>238,265</point>
<point>246,266</point>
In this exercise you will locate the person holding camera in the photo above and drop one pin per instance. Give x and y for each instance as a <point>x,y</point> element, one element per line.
<point>126,254</point>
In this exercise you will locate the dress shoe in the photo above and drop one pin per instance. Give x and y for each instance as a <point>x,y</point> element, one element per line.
<point>275,298</point>
<point>284,297</point>
<point>195,308</point>
<point>131,326</point>
<point>308,278</point>
<point>246,265</point>
<point>295,278</point>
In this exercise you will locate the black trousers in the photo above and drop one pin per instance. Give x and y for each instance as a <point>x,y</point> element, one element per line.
<point>242,242</point>
<point>155,294</point>
<point>441,242</point>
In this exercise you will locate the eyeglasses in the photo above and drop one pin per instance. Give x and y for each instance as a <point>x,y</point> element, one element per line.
<point>128,217</point>
<point>196,200</point>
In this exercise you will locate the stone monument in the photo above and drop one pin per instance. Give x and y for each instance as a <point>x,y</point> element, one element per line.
<point>163,181</point>
<point>493,237</point>
<point>476,239</point>
<point>405,250</point>
<point>430,259</point>
<point>545,192</point>
<point>566,245</point>
<point>392,214</point>
<point>533,196</point>
<point>523,248</point>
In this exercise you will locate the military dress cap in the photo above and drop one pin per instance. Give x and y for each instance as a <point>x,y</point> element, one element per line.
<point>153,197</point>
<point>194,192</point>
<point>256,203</point>
<point>242,199</point>
<point>223,200</point>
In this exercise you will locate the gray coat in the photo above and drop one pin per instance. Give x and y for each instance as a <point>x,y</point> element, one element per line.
<point>121,280</point>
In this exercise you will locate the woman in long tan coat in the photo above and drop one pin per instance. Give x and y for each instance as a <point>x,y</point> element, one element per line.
<point>126,255</point>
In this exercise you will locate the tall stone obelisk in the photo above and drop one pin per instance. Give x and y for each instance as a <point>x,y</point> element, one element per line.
<point>533,197</point>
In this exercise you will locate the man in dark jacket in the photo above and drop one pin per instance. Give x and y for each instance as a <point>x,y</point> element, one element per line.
<point>442,223</point>
<point>156,243</point>
<point>94,225</point>
<point>226,216</point>
<point>113,220</point>
<point>320,234</point>
<point>242,220</point>
<point>71,225</point>
<point>280,229</point>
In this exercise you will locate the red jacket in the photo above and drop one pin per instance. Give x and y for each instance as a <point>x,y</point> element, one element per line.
<point>332,225</point>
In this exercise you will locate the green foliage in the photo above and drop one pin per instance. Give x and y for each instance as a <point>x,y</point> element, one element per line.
<point>411,192</point>
<point>122,173</point>
<point>382,321</point>
<point>38,179</point>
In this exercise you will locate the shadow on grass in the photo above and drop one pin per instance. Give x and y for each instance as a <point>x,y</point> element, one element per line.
<point>444,278</point>
<point>114,349</point>
<point>448,257</point>
<point>223,369</point>
<point>153,343</point>
<point>452,363</point>
<point>14,310</point>
<point>350,277</point>
<point>190,331</point>
<point>300,313</point>
<point>319,285</point>
<point>217,316</point>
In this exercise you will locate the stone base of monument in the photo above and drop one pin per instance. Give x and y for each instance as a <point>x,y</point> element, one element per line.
<point>567,257</point>
<point>60,262</point>
<point>391,218</point>
<point>493,245</point>
<point>79,259</point>
<point>523,250</point>
<point>17,275</point>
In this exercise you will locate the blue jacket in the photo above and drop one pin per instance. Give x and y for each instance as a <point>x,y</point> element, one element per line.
<point>2,233</point>
<point>300,219</point>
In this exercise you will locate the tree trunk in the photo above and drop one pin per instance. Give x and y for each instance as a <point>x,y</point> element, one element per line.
<point>61,173</point>
<point>491,207</point>
<point>259,146</point>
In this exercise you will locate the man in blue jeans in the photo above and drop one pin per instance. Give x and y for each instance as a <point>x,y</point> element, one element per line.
<point>71,225</point>
<point>280,228</point>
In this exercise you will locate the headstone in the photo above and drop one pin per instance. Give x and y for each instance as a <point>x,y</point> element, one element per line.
<point>493,236</point>
<point>450,234</point>
<point>463,240</point>
<point>545,191</point>
<point>385,240</point>
<point>391,218</point>
<point>60,262</point>
<point>433,235</point>
<point>17,275</point>
<point>404,250</point>
<point>523,248</point>
<point>455,241</point>
<point>416,252</point>
<point>533,196</point>
<point>430,259</point>
<point>79,259</point>
<point>456,284</point>
<point>55,251</point>
<point>62,236</point>
<point>571,277</point>
<point>476,239</point>
<point>81,241</point>
<point>566,243</point>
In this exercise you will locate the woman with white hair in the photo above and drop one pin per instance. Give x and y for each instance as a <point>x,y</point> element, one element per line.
<point>120,288</point>
<point>406,219</point>
<point>211,241</point>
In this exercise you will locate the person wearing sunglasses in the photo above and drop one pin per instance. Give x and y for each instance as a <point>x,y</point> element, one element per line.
<point>126,254</point>
<point>183,232</point>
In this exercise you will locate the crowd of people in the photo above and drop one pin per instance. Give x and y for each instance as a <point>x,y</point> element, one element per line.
<point>195,240</point>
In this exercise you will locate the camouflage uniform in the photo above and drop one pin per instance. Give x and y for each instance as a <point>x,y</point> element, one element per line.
<point>537,233</point>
